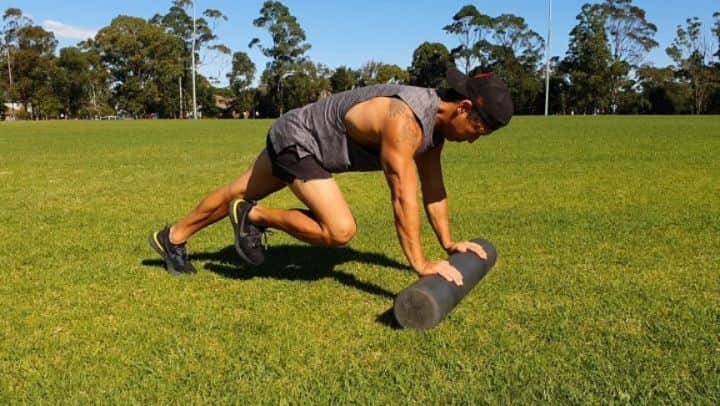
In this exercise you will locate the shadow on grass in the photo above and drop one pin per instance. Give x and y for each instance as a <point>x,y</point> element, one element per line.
<point>297,263</point>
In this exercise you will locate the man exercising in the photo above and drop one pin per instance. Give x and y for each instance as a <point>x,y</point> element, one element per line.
<point>394,128</point>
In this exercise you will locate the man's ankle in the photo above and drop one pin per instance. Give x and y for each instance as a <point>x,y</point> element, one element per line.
<point>254,215</point>
<point>171,237</point>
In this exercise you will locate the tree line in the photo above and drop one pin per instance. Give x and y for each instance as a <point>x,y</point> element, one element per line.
<point>142,68</point>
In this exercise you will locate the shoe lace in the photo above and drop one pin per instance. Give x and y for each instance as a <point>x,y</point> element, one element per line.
<point>180,252</point>
<point>259,237</point>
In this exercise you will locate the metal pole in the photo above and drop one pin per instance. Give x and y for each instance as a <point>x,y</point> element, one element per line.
<point>193,64</point>
<point>181,97</point>
<point>547,59</point>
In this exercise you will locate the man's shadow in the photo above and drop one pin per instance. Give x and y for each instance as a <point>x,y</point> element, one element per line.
<point>299,263</point>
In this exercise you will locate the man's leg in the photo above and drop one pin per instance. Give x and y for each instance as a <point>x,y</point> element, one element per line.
<point>256,183</point>
<point>329,223</point>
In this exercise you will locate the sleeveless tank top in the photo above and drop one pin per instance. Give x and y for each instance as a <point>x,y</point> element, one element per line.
<point>318,129</point>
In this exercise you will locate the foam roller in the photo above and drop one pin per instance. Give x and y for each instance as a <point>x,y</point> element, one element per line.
<point>425,303</point>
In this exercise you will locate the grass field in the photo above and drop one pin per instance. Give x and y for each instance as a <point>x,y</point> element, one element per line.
<point>607,287</point>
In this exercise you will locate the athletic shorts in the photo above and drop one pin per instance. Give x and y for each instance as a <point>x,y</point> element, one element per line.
<point>288,166</point>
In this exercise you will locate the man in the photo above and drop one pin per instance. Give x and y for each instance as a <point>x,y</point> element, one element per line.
<point>398,129</point>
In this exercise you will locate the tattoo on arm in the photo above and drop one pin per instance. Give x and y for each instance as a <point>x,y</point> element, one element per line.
<point>399,110</point>
<point>409,131</point>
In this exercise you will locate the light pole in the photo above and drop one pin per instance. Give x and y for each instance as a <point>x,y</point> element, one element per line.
<point>283,76</point>
<point>193,63</point>
<point>547,59</point>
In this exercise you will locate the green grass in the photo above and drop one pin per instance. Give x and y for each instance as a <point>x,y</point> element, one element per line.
<point>607,289</point>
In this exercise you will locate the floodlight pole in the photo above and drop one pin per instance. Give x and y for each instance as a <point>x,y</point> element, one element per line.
<point>547,59</point>
<point>193,64</point>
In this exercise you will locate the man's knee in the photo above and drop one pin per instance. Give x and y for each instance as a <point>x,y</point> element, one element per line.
<point>341,234</point>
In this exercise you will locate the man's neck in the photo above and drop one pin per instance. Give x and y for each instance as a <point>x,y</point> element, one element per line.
<point>444,114</point>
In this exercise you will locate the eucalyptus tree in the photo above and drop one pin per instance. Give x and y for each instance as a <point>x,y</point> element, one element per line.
<point>515,54</point>
<point>199,39</point>
<point>630,37</point>
<point>99,81</point>
<point>471,27</point>
<point>690,51</point>
<point>287,50</point>
<point>242,72</point>
<point>716,31</point>
<point>241,77</point>
<point>13,21</point>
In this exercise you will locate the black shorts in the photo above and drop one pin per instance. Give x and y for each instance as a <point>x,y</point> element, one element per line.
<point>288,166</point>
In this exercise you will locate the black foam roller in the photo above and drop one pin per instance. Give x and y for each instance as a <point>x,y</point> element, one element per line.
<point>425,303</point>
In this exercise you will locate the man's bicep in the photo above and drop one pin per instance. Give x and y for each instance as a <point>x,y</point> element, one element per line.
<point>400,140</point>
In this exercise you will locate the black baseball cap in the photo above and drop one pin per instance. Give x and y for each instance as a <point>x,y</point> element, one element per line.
<point>489,95</point>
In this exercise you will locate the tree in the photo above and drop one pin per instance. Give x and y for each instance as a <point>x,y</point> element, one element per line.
<point>515,56</point>
<point>690,52</point>
<point>288,46</point>
<point>241,77</point>
<point>179,23</point>
<point>308,83</point>
<point>661,92</point>
<point>716,31</point>
<point>471,27</point>
<point>714,103</point>
<point>144,64</point>
<point>630,36</point>
<point>73,80</point>
<point>13,20</point>
<point>35,69</point>
<point>98,84</point>
<point>242,73</point>
<point>3,109</point>
<point>374,72</point>
<point>344,79</point>
<point>429,65</point>
<point>392,74</point>
<point>587,63</point>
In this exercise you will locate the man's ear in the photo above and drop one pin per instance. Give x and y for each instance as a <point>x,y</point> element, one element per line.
<point>465,106</point>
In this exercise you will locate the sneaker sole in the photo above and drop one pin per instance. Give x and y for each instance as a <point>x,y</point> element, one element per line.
<point>155,244</point>
<point>236,226</point>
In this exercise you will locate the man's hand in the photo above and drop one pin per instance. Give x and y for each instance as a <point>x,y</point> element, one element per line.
<point>444,269</point>
<point>465,246</point>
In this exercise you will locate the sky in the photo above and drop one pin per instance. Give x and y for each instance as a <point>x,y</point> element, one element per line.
<point>351,32</point>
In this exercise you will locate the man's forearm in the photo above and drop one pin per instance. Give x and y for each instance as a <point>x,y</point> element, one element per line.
<point>407,223</point>
<point>437,212</point>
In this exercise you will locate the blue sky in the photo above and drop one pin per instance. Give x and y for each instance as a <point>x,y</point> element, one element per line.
<point>350,32</point>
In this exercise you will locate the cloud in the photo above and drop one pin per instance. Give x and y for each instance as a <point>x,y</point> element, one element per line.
<point>65,31</point>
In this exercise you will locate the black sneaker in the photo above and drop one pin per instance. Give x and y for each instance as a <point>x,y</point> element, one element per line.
<point>248,236</point>
<point>175,256</point>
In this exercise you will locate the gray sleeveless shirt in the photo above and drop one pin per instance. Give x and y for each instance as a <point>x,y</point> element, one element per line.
<point>318,129</point>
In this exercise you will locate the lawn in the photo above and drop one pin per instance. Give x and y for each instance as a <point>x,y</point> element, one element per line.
<point>607,287</point>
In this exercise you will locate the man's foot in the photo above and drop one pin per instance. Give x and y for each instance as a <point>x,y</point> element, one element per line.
<point>175,255</point>
<point>248,236</point>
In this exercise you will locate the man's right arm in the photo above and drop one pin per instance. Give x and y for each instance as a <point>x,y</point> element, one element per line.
<point>401,138</point>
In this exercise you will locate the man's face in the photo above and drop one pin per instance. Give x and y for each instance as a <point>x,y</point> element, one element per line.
<point>466,125</point>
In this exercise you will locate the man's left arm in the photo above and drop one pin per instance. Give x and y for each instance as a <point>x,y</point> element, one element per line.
<point>436,203</point>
